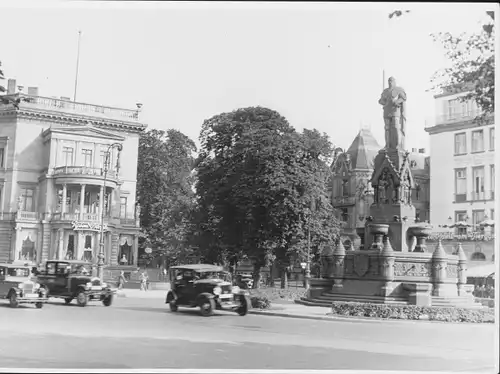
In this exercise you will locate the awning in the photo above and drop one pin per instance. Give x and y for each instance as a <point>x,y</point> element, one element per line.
<point>483,271</point>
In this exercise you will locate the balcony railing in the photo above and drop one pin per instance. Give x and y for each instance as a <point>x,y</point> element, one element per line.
<point>442,119</point>
<point>68,106</point>
<point>84,170</point>
<point>7,216</point>
<point>474,196</point>
<point>33,216</point>
<point>343,200</point>
<point>88,217</point>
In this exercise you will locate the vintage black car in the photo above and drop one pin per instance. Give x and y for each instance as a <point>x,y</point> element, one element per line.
<point>17,285</point>
<point>70,280</point>
<point>207,287</point>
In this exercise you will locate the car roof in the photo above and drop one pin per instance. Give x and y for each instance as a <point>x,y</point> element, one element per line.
<point>199,267</point>
<point>77,262</point>
<point>15,266</point>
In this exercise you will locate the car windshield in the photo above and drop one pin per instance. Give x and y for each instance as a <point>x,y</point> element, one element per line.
<point>18,272</point>
<point>82,269</point>
<point>219,275</point>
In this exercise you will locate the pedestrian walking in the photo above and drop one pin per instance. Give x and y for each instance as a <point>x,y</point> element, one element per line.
<point>144,281</point>
<point>121,280</point>
<point>164,274</point>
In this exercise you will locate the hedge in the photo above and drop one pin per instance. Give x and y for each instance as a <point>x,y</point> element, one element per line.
<point>413,312</point>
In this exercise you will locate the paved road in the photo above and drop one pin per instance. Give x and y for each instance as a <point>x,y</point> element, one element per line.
<point>141,333</point>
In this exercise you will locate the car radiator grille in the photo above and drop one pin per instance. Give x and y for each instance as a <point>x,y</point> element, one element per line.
<point>226,289</point>
<point>27,289</point>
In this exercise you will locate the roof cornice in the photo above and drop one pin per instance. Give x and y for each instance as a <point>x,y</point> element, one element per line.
<point>65,118</point>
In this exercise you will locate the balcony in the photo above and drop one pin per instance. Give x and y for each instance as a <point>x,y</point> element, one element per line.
<point>71,107</point>
<point>84,175</point>
<point>343,200</point>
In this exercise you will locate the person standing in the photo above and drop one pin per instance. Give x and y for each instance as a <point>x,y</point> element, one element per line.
<point>144,281</point>
<point>121,280</point>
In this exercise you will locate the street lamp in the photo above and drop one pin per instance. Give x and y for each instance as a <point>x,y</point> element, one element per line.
<point>100,257</point>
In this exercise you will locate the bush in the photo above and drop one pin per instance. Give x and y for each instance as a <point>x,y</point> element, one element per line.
<point>260,302</point>
<point>273,294</point>
<point>412,312</point>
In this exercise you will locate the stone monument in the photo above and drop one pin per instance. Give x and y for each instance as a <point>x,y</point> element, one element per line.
<point>393,264</point>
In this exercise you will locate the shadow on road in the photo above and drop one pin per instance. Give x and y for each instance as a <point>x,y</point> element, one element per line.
<point>194,312</point>
<point>21,306</point>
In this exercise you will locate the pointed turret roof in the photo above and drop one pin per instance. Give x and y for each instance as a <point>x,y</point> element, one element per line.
<point>363,150</point>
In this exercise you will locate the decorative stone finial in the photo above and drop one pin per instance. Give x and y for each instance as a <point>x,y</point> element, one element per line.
<point>461,253</point>
<point>439,252</point>
<point>339,249</point>
<point>387,246</point>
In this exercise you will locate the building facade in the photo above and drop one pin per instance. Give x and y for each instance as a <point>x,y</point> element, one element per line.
<point>351,192</point>
<point>462,174</point>
<point>54,186</point>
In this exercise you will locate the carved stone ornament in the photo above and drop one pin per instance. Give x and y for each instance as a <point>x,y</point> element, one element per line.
<point>412,269</point>
<point>451,271</point>
<point>361,264</point>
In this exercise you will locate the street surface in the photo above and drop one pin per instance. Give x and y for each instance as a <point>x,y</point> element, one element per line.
<point>141,333</point>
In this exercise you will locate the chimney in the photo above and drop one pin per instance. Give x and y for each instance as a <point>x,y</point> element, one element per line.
<point>33,91</point>
<point>414,150</point>
<point>11,87</point>
<point>421,150</point>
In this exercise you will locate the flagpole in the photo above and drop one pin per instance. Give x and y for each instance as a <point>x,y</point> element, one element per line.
<point>383,80</point>
<point>77,64</point>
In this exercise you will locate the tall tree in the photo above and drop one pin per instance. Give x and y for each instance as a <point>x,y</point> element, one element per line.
<point>256,179</point>
<point>164,191</point>
<point>472,57</point>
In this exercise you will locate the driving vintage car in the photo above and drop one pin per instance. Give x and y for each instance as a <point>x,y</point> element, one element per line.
<point>70,280</point>
<point>207,287</point>
<point>18,288</point>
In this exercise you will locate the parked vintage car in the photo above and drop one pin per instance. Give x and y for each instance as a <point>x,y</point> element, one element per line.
<point>70,280</point>
<point>17,286</point>
<point>208,287</point>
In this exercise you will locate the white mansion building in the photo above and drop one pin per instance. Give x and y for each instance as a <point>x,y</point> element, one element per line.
<point>52,179</point>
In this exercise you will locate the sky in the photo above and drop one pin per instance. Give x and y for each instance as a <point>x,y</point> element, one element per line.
<point>320,65</point>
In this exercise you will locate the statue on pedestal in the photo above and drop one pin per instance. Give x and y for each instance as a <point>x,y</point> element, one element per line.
<point>393,100</point>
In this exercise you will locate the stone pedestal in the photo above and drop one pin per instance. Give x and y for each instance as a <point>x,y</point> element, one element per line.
<point>338,265</point>
<point>439,263</point>
<point>419,294</point>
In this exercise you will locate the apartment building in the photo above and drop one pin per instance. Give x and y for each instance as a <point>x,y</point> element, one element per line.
<point>462,173</point>
<point>54,183</point>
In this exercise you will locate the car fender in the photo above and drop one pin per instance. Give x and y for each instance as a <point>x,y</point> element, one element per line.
<point>171,295</point>
<point>246,296</point>
<point>16,290</point>
<point>204,295</point>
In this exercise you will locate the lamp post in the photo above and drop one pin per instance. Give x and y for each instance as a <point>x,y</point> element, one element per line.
<point>100,257</point>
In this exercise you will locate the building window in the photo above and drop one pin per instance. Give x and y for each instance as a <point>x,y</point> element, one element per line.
<point>460,185</point>
<point>478,256</point>
<point>478,180</point>
<point>477,218</point>
<point>87,157</point>
<point>68,156</point>
<point>345,187</point>
<point>344,216</point>
<point>27,199</point>
<point>492,216</point>
<point>1,157</point>
<point>492,181</point>
<point>460,144</point>
<point>492,139</point>
<point>123,207</point>
<point>461,216</point>
<point>477,141</point>
<point>103,156</point>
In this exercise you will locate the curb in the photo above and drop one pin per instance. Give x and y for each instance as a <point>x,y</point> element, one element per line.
<point>337,318</point>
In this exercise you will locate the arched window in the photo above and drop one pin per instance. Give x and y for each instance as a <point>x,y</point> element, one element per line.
<point>478,256</point>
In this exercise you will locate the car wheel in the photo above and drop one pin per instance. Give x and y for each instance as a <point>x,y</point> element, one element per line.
<point>14,303</point>
<point>243,308</point>
<point>173,306</point>
<point>39,305</point>
<point>108,300</point>
<point>82,298</point>
<point>68,300</point>
<point>207,307</point>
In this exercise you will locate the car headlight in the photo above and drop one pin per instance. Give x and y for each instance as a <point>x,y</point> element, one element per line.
<point>20,285</point>
<point>103,284</point>
<point>36,286</point>
<point>88,285</point>
<point>217,290</point>
<point>236,289</point>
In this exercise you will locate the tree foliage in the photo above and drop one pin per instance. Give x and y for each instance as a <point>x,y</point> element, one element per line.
<point>472,57</point>
<point>257,179</point>
<point>164,191</point>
